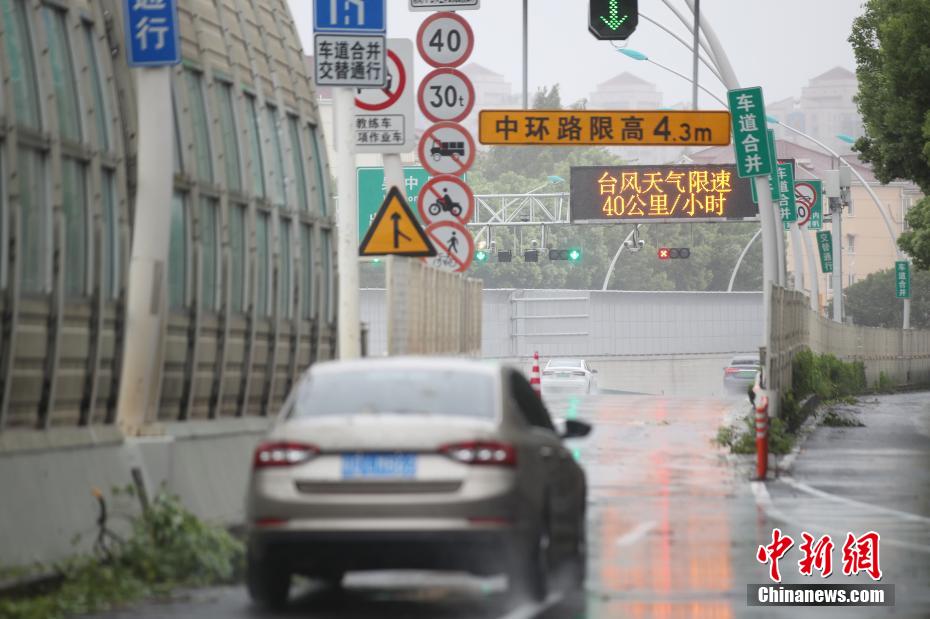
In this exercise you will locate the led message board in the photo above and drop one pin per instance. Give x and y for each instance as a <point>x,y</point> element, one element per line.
<point>660,193</point>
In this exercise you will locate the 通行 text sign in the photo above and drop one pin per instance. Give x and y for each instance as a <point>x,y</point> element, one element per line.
<point>152,32</point>
<point>604,128</point>
<point>750,138</point>
<point>660,193</point>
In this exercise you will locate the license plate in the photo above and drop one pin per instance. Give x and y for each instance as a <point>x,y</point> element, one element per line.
<point>747,374</point>
<point>379,466</point>
<point>563,375</point>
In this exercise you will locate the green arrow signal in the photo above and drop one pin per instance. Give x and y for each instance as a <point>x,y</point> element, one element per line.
<point>615,20</point>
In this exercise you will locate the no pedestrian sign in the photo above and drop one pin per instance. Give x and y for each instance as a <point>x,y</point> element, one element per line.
<point>454,244</point>
<point>604,128</point>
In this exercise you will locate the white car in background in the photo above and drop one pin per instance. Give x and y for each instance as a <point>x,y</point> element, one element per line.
<point>564,375</point>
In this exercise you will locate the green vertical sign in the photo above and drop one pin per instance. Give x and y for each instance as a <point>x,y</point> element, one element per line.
<point>773,185</point>
<point>825,246</point>
<point>786,201</point>
<point>902,279</point>
<point>372,191</point>
<point>750,136</point>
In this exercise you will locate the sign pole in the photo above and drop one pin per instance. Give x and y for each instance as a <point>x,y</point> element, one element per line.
<point>837,260</point>
<point>151,55</point>
<point>148,266</point>
<point>812,271</point>
<point>394,172</point>
<point>349,333</point>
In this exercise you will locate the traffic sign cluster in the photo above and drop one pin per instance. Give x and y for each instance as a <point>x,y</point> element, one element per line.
<point>447,150</point>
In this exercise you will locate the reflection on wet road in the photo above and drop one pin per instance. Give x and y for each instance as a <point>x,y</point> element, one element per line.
<point>672,531</point>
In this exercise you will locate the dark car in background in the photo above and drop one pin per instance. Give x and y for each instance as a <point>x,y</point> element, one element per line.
<point>740,373</point>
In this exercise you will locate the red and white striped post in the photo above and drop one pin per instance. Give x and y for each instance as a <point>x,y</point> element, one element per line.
<point>761,403</point>
<point>535,381</point>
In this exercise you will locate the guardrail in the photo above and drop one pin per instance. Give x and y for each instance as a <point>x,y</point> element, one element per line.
<point>903,356</point>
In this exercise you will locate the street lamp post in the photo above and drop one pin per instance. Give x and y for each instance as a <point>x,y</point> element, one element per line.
<point>886,217</point>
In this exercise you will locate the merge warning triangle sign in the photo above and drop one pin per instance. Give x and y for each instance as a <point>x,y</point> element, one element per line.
<point>396,231</point>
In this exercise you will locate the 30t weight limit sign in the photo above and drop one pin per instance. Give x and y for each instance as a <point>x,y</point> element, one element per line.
<point>446,95</point>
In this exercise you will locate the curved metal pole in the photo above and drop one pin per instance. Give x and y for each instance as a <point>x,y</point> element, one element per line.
<point>661,26</point>
<point>708,49</point>
<point>812,269</point>
<point>613,263</point>
<point>685,77</point>
<point>739,261</point>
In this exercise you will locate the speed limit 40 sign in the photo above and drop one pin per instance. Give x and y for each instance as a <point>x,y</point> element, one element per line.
<point>445,40</point>
<point>446,95</point>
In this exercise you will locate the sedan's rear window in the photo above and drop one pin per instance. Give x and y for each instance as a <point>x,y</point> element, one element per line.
<point>745,361</point>
<point>403,392</point>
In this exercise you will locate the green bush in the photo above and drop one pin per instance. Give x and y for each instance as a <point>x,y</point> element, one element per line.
<point>825,375</point>
<point>169,547</point>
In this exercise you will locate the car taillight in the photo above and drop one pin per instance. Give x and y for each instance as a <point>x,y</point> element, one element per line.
<point>275,454</point>
<point>579,374</point>
<point>481,453</point>
<point>731,370</point>
<point>547,373</point>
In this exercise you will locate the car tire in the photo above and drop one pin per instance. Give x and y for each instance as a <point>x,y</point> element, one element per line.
<point>268,583</point>
<point>580,560</point>
<point>531,572</point>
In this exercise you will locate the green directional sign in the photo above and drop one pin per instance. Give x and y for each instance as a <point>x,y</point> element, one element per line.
<point>612,20</point>
<point>786,199</point>
<point>902,279</point>
<point>750,133</point>
<point>825,247</point>
<point>372,191</point>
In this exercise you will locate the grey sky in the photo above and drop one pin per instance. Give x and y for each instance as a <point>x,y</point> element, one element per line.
<point>779,45</point>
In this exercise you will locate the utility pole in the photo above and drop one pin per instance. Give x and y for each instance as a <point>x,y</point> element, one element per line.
<point>526,55</point>
<point>696,54</point>
<point>349,333</point>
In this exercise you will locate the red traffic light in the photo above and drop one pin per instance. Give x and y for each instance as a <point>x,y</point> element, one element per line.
<point>664,253</point>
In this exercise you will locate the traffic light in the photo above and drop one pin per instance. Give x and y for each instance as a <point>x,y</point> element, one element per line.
<point>612,20</point>
<point>504,255</point>
<point>481,256</point>
<point>573,255</point>
<point>674,253</point>
<point>531,255</point>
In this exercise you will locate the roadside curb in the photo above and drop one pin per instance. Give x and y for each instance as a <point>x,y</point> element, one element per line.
<point>810,407</point>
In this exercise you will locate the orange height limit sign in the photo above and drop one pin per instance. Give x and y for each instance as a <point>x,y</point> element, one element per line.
<point>604,128</point>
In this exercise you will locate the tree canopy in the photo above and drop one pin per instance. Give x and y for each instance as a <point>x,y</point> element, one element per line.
<point>892,51</point>
<point>871,302</point>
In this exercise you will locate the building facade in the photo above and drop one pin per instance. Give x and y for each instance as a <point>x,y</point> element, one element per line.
<point>825,110</point>
<point>249,279</point>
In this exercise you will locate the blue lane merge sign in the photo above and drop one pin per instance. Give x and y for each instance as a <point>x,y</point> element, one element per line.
<point>152,32</point>
<point>350,16</point>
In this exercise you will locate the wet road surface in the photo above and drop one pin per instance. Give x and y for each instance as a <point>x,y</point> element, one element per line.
<point>674,524</point>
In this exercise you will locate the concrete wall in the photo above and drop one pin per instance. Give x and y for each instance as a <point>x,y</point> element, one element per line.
<point>46,480</point>
<point>515,323</point>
